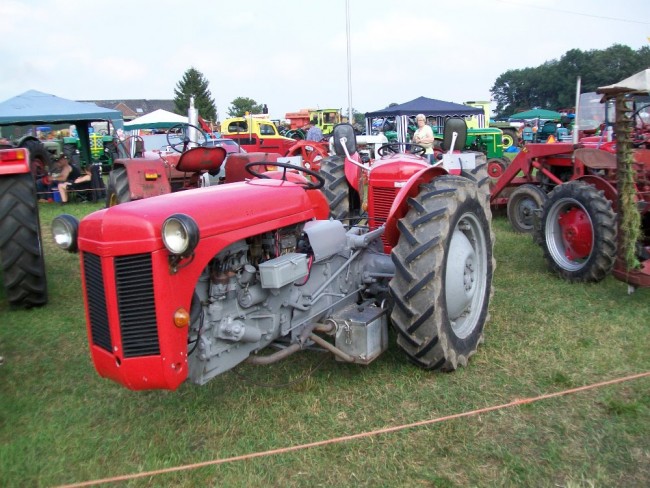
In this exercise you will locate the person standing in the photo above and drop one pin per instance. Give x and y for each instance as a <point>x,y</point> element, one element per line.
<point>314,133</point>
<point>423,135</point>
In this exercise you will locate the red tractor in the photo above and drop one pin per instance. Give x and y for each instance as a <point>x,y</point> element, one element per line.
<point>191,156</point>
<point>186,286</point>
<point>571,197</point>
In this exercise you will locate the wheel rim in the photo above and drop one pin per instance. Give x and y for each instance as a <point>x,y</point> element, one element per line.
<point>507,141</point>
<point>524,211</point>
<point>495,169</point>
<point>466,275</point>
<point>569,234</point>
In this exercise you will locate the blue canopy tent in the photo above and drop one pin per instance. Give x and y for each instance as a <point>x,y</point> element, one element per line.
<point>430,107</point>
<point>34,107</point>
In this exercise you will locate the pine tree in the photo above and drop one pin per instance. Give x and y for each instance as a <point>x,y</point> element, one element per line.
<point>194,85</point>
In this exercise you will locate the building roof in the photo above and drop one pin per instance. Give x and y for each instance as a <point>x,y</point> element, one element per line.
<point>136,107</point>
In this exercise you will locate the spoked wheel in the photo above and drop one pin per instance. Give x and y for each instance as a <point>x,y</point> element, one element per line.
<point>311,152</point>
<point>21,249</point>
<point>399,147</point>
<point>117,190</point>
<point>313,180</point>
<point>179,137</point>
<point>522,204</point>
<point>443,280</point>
<point>577,232</point>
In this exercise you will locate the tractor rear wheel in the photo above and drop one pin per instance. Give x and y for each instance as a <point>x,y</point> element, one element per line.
<point>509,139</point>
<point>522,204</point>
<point>21,249</point>
<point>443,279</point>
<point>117,190</point>
<point>39,158</point>
<point>577,232</point>
<point>336,189</point>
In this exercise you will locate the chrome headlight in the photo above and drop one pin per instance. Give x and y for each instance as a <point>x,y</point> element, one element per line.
<point>180,234</point>
<point>65,230</point>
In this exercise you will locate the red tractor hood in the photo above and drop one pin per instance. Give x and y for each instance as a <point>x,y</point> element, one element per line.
<point>135,227</point>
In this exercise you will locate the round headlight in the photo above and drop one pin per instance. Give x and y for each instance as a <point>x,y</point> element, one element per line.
<point>65,229</point>
<point>180,234</point>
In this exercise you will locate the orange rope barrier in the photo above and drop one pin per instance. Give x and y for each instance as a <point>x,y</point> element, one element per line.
<point>361,435</point>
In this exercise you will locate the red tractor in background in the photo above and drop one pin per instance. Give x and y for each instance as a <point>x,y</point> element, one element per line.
<point>143,177</point>
<point>569,197</point>
<point>190,284</point>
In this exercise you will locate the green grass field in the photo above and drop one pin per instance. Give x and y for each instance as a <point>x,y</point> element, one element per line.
<point>61,423</point>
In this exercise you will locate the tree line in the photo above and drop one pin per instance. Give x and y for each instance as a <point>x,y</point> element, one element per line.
<point>553,84</point>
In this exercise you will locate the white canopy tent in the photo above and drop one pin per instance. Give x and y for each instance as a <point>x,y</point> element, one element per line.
<point>158,119</point>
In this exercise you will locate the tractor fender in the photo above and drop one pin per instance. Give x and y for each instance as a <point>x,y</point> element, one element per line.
<point>400,205</point>
<point>23,140</point>
<point>147,177</point>
<point>602,184</point>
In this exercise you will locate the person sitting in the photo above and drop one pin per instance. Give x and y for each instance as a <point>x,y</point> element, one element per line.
<point>314,133</point>
<point>49,183</point>
<point>81,182</point>
<point>423,135</point>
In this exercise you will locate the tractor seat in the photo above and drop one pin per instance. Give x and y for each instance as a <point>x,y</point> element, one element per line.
<point>595,158</point>
<point>199,159</point>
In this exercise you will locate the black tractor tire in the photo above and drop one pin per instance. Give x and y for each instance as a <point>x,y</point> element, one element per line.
<point>117,190</point>
<point>522,205</point>
<point>509,139</point>
<point>336,189</point>
<point>443,280</point>
<point>21,250</point>
<point>40,161</point>
<point>577,232</point>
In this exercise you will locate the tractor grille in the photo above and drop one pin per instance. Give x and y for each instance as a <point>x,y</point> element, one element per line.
<point>95,298</point>
<point>382,198</point>
<point>136,305</point>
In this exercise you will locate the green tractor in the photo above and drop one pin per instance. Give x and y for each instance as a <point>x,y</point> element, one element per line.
<point>510,135</point>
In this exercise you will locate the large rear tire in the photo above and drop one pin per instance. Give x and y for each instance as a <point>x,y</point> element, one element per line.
<point>21,249</point>
<point>117,190</point>
<point>522,205</point>
<point>336,189</point>
<point>39,158</point>
<point>577,232</point>
<point>443,279</point>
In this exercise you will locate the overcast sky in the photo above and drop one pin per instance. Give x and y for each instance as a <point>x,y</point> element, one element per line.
<point>292,54</point>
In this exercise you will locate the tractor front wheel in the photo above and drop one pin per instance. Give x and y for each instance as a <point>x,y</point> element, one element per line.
<point>522,204</point>
<point>577,232</point>
<point>21,249</point>
<point>117,190</point>
<point>443,279</point>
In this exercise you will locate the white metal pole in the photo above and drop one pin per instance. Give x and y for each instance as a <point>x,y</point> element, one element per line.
<point>347,33</point>
<point>576,124</point>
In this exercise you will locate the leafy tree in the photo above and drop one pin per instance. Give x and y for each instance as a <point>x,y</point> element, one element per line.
<point>240,105</point>
<point>552,85</point>
<point>194,84</point>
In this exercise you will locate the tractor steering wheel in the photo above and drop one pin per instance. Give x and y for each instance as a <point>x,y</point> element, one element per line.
<point>308,185</point>
<point>179,133</point>
<point>394,148</point>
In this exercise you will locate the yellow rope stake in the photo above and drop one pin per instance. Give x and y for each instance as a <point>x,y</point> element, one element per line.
<point>629,218</point>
